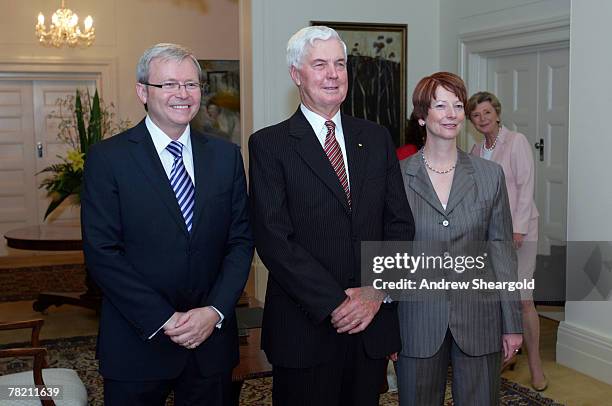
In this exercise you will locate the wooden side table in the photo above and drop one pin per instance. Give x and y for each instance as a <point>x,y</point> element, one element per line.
<point>56,237</point>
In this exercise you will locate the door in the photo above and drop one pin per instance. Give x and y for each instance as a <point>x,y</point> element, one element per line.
<point>533,90</point>
<point>18,194</point>
<point>28,144</point>
<point>46,121</point>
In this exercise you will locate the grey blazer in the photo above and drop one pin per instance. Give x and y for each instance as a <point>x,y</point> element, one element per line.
<point>477,210</point>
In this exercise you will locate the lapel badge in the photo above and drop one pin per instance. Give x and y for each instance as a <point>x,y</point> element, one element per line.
<point>360,145</point>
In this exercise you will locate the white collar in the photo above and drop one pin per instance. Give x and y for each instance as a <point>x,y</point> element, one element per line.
<point>317,122</point>
<point>161,140</point>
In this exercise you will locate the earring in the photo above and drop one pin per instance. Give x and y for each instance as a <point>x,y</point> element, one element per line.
<point>421,123</point>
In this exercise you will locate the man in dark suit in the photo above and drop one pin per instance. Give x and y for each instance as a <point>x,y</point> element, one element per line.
<point>167,238</point>
<point>321,182</point>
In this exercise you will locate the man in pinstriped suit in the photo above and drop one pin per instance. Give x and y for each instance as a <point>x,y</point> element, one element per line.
<point>320,183</point>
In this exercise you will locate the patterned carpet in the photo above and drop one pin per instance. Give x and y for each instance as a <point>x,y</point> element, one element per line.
<point>79,353</point>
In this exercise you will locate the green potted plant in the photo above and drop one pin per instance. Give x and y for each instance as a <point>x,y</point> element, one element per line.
<point>84,120</point>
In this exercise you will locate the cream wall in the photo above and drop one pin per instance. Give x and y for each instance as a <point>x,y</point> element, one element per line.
<point>124,29</point>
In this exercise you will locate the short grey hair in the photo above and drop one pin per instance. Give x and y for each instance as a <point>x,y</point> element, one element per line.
<point>304,38</point>
<point>164,51</point>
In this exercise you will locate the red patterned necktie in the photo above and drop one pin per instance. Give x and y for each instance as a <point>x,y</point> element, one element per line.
<point>334,153</point>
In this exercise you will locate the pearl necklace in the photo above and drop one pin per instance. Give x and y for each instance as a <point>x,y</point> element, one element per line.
<point>432,168</point>
<point>484,145</point>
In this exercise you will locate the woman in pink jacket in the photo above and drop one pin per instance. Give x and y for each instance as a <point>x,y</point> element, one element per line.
<point>512,151</point>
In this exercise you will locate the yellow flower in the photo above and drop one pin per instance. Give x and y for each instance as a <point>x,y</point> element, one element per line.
<point>76,159</point>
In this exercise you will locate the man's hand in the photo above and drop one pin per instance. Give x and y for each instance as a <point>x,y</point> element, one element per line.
<point>358,310</point>
<point>192,328</point>
<point>511,344</point>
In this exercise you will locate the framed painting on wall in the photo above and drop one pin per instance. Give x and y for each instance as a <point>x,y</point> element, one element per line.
<point>219,112</point>
<point>376,73</point>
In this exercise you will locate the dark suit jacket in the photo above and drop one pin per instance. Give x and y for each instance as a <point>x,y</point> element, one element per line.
<point>309,239</point>
<point>138,250</point>
<point>477,212</point>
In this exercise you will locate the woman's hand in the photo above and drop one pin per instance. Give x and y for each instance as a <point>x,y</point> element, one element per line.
<point>517,240</point>
<point>511,344</point>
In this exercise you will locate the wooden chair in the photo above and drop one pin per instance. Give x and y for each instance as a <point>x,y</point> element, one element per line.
<point>73,390</point>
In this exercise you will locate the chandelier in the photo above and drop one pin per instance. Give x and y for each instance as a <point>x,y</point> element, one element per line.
<point>64,29</point>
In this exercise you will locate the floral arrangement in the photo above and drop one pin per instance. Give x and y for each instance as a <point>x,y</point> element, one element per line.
<point>84,120</point>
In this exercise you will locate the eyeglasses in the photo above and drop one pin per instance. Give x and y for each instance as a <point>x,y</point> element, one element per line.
<point>176,86</point>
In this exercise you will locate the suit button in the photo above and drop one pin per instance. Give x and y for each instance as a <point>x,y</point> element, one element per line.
<point>445,223</point>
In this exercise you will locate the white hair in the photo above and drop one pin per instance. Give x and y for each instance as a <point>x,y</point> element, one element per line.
<point>304,38</point>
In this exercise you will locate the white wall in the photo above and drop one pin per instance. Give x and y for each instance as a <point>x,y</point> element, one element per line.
<point>585,338</point>
<point>274,21</point>
<point>124,29</point>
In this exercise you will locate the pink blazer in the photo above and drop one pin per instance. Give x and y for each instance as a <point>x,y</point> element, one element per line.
<point>513,152</point>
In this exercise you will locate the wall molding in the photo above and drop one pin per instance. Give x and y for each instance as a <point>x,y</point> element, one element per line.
<point>585,351</point>
<point>475,47</point>
<point>103,71</point>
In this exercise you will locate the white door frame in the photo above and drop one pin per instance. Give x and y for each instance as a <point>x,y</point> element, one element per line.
<point>473,45</point>
<point>476,47</point>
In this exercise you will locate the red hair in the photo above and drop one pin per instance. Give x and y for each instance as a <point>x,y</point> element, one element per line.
<point>425,91</point>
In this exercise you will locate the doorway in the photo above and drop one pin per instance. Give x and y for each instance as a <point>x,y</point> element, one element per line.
<point>527,67</point>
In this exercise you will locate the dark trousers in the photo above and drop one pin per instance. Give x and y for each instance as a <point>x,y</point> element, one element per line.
<point>350,379</point>
<point>476,379</point>
<point>190,389</point>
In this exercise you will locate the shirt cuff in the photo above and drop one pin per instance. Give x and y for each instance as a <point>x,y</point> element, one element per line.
<point>221,317</point>
<point>157,331</point>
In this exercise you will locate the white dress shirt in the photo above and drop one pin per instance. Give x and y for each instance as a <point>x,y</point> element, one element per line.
<point>161,141</point>
<point>318,126</point>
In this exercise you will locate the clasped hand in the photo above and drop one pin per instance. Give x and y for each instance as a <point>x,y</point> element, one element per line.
<point>358,309</point>
<point>511,344</point>
<point>190,329</point>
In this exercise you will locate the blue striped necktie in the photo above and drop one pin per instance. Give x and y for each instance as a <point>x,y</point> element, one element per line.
<point>181,183</point>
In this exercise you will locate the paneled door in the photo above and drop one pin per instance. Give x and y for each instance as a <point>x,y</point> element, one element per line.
<point>48,146</point>
<point>533,88</point>
<point>28,144</point>
<point>18,194</point>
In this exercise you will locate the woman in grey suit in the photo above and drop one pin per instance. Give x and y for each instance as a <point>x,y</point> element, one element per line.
<point>458,201</point>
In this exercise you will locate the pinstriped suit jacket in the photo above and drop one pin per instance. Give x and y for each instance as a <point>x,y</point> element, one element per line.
<point>310,240</point>
<point>477,210</point>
